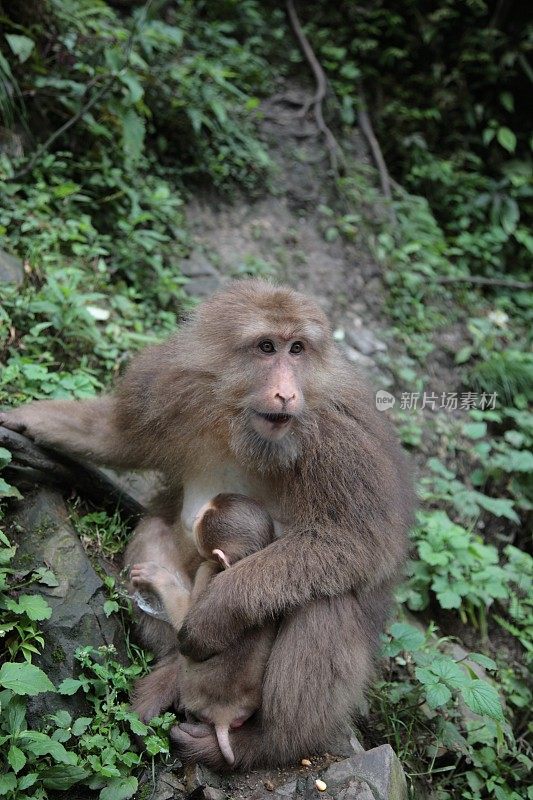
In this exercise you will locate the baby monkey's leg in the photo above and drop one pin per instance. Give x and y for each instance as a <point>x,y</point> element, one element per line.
<point>173,594</point>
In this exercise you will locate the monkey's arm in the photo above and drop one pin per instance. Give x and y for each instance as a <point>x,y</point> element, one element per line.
<point>289,573</point>
<point>204,575</point>
<point>84,428</point>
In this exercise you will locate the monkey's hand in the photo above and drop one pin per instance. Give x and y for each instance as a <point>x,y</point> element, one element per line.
<point>213,622</point>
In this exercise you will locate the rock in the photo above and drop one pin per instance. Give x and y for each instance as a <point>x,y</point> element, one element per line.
<point>378,768</point>
<point>168,787</point>
<point>204,279</point>
<point>46,537</point>
<point>197,777</point>
<point>214,794</point>
<point>364,341</point>
<point>11,269</point>
<point>357,358</point>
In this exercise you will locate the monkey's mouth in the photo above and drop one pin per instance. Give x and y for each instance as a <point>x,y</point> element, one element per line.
<point>271,426</point>
<point>275,419</point>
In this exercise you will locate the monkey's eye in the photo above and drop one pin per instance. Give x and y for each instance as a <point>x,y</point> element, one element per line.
<point>296,347</point>
<point>266,346</point>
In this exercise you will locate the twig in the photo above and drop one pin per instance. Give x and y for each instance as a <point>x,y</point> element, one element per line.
<point>368,131</point>
<point>335,153</point>
<point>35,464</point>
<point>480,281</point>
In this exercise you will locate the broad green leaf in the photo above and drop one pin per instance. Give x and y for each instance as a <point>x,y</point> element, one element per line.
<point>483,699</point>
<point>41,745</point>
<point>137,726</point>
<point>475,430</point>
<point>8,783</point>
<point>62,777</point>
<point>449,599</point>
<point>27,780</point>
<point>483,660</point>
<point>110,607</point>
<point>25,679</point>
<point>499,506</point>
<point>62,718</point>
<point>69,686</point>
<point>21,46</point>
<point>409,637</point>
<point>507,139</point>
<point>448,671</point>
<point>437,694</point>
<point>16,758</point>
<point>81,725</point>
<point>6,490</point>
<point>119,789</point>
<point>34,606</point>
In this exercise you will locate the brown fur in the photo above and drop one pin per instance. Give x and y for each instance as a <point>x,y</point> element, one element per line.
<point>336,485</point>
<point>225,690</point>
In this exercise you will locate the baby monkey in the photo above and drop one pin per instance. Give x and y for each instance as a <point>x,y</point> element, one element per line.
<point>225,690</point>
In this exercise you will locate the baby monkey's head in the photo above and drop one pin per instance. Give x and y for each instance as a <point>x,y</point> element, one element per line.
<point>232,526</point>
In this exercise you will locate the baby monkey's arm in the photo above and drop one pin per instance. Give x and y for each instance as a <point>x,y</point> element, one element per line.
<point>204,574</point>
<point>175,597</point>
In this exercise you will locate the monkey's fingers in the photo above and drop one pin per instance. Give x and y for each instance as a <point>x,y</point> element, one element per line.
<point>10,420</point>
<point>193,750</point>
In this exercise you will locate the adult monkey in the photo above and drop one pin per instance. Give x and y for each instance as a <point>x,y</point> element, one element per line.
<point>250,396</point>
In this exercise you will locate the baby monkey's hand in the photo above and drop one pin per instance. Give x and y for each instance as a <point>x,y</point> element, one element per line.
<point>152,576</point>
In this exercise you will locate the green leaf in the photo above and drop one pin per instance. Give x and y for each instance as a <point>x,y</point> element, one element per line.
<point>137,726</point>
<point>16,758</point>
<point>499,506</point>
<point>34,606</point>
<point>448,671</point>
<point>483,699</point>
<point>8,783</point>
<point>40,744</point>
<point>27,780</point>
<point>110,607</point>
<point>408,637</point>
<point>437,694</point>
<point>507,139</point>
<point>21,46</point>
<point>62,777</point>
<point>69,686</point>
<point>81,725</point>
<point>6,490</point>
<point>449,599</point>
<point>132,135</point>
<point>475,430</point>
<point>483,660</point>
<point>119,789</point>
<point>62,718</point>
<point>5,457</point>
<point>25,679</point>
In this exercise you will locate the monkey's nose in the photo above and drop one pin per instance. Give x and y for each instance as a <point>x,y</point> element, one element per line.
<point>285,398</point>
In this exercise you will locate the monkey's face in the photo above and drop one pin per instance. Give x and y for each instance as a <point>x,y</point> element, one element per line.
<point>270,349</point>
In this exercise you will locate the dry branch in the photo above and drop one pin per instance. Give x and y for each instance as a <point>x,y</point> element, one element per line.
<point>335,152</point>
<point>35,464</point>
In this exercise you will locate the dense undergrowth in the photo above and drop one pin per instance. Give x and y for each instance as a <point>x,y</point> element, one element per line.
<point>110,117</point>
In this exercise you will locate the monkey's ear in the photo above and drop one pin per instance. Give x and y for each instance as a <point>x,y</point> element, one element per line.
<point>221,557</point>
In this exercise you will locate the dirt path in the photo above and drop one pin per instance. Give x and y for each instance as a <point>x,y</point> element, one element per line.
<point>282,232</point>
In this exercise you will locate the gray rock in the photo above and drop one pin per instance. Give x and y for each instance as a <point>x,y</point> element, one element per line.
<point>357,358</point>
<point>11,269</point>
<point>168,787</point>
<point>46,537</point>
<point>197,265</point>
<point>379,768</point>
<point>364,341</point>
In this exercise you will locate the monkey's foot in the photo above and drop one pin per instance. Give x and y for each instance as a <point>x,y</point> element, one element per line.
<point>198,744</point>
